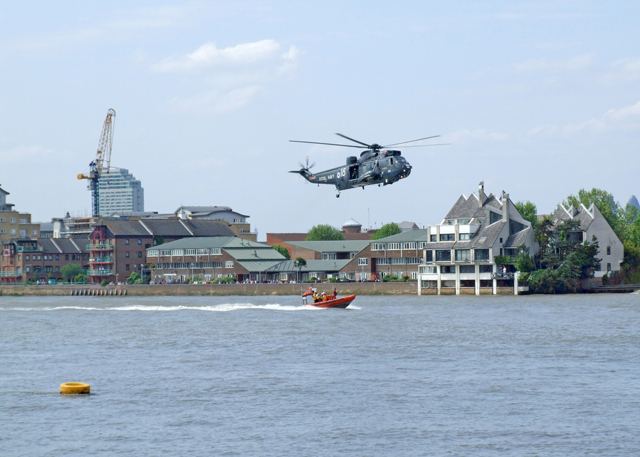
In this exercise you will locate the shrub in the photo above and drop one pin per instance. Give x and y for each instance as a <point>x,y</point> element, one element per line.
<point>104,282</point>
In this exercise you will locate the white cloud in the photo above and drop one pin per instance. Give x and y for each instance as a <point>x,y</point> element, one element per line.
<point>537,65</point>
<point>468,136</point>
<point>217,101</point>
<point>25,153</point>
<point>209,55</point>
<point>235,74</point>
<point>626,118</point>
<point>627,70</point>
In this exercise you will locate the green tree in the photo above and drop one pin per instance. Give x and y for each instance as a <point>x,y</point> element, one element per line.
<point>282,250</point>
<point>134,278</point>
<point>605,203</point>
<point>81,278</point>
<point>529,212</point>
<point>386,230</point>
<point>70,271</point>
<point>324,232</point>
<point>299,263</point>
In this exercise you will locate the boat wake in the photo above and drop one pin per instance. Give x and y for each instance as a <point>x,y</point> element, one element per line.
<point>215,308</point>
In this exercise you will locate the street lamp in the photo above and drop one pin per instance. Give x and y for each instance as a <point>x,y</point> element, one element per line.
<point>193,265</point>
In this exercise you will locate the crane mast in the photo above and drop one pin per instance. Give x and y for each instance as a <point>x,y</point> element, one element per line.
<point>102,162</point>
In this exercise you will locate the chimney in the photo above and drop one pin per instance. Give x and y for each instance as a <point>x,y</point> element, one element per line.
<point>481,196</point>
<point>505,206</point>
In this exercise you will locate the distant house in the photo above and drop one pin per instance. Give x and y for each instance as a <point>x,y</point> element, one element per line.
<point>318,269</point>
<point>327,250</point>
<point>593,223</point>
<point>237,221</point>
<point>405,226</point>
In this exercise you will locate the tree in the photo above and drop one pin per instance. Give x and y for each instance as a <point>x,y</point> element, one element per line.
<point>299,263</point>
<point>134,278</point>
<point>81,278</point>
<point>529,212</point>
<point>324,232</point>
<point>70,271</point>
<point>282,250</point>
<point>386,230</point>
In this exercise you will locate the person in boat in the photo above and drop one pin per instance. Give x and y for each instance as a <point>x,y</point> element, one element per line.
<point>335,293</point>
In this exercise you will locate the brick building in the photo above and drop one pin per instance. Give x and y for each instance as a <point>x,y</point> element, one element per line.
<point>117,248</point>
<point>212,258</point>
<point>14,224</point>
<point>23,259</point>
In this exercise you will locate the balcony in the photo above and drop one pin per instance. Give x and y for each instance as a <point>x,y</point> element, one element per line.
<point>101,260</point>
<point>10,274</point>
<point>99,247</point>
<point>99,272</point>
<point>30,249</point>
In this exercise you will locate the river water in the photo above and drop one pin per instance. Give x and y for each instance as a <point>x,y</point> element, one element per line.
<point>401,376</point>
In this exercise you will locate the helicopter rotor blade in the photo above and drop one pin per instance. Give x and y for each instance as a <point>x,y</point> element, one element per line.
<point>405,142</point>
<point>426,145</point>
<point>351,139</point>
<point>329,144</point>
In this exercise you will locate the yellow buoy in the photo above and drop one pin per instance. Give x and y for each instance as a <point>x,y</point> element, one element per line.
<point>74,388</point>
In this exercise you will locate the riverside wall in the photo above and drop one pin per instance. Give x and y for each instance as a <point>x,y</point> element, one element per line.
<point>358,288</point>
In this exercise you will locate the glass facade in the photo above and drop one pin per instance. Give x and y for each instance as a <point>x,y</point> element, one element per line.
<point>119,191</point>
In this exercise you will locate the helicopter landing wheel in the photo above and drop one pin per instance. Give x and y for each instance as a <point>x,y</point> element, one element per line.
<point>338,194</point>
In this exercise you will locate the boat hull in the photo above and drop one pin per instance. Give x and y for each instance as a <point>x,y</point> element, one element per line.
<point>337,303</point>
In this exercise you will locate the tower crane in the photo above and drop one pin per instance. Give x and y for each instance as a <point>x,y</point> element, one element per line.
<point>102,162</point>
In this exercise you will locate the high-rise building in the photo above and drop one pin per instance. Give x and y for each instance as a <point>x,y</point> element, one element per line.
<point>119,191</point>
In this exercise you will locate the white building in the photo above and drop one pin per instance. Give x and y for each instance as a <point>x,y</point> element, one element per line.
<point>593,223</point>
<point>459,256</point>
<point>119,191</point>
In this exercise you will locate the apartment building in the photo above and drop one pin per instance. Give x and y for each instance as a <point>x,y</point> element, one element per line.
<point>14,224</point>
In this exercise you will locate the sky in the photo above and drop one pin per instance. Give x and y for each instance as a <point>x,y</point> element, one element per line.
<point>536,98</point>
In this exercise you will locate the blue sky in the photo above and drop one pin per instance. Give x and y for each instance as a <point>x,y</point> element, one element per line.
<point>539,99</point>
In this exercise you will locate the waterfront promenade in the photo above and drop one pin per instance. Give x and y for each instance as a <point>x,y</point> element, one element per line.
<point>358,288</point>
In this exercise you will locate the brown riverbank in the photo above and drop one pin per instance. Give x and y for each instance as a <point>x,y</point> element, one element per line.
<point>366,288</point>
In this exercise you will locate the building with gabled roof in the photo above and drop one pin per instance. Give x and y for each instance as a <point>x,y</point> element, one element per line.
<point>593,224</point>
<point>327,250</point>
<point>459,253</point>
<point>319,269</point>
<point>118,247</point>
<point>212,258</point>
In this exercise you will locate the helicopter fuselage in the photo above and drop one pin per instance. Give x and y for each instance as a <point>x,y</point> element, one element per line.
<point>372,167</point>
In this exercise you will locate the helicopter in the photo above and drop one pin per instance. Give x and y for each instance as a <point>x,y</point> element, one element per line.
<point>376,165</point>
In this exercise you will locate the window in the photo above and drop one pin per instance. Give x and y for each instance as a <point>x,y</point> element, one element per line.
<point>428,270</point>
<point>443,255</point>
<point>433,238</point>
<point>467,268</point>
<point>23,221</point>
<point>448,269</point>
<point>283,276</point>
<point>463,255</point>
<point>126,254</point>
<point>216,251</point>
<point>409,246</point>
<point>139,254</point>
<point>447,237</point>
<point>378,247</point>
<point>27,269</point>
<point>329,256</point>
<point>393,246</point>
<point>608,267</point>
<point>382,261</point>
<point>165,252</point>
<point>57,256</point>
<point>178,252</point>
<point>13,231</point>
<point>482,255</point>
<point>363,261</point>
<point>3,219</point>
<point>464,221</point>
<point>126,241</point>
<point>500,240</point>
<point>608,250</point>
<point>23,233</point>
<point>66,257</point>
<point>413,260</point>
<point>34,232</point>
<point>464,236</point>
<point>139,241</point>
<point>3,230</point>
<point>152,253</point>
<point>486,268</point>
<point>73,257</point>
<point>228,264</point>
<point>127,267</point>
<point>429,255</point>
<point>397,261</point>
<point>494,217</point>
<point>26,257</point>
<point>414,275</point>
<point>13,220</point>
